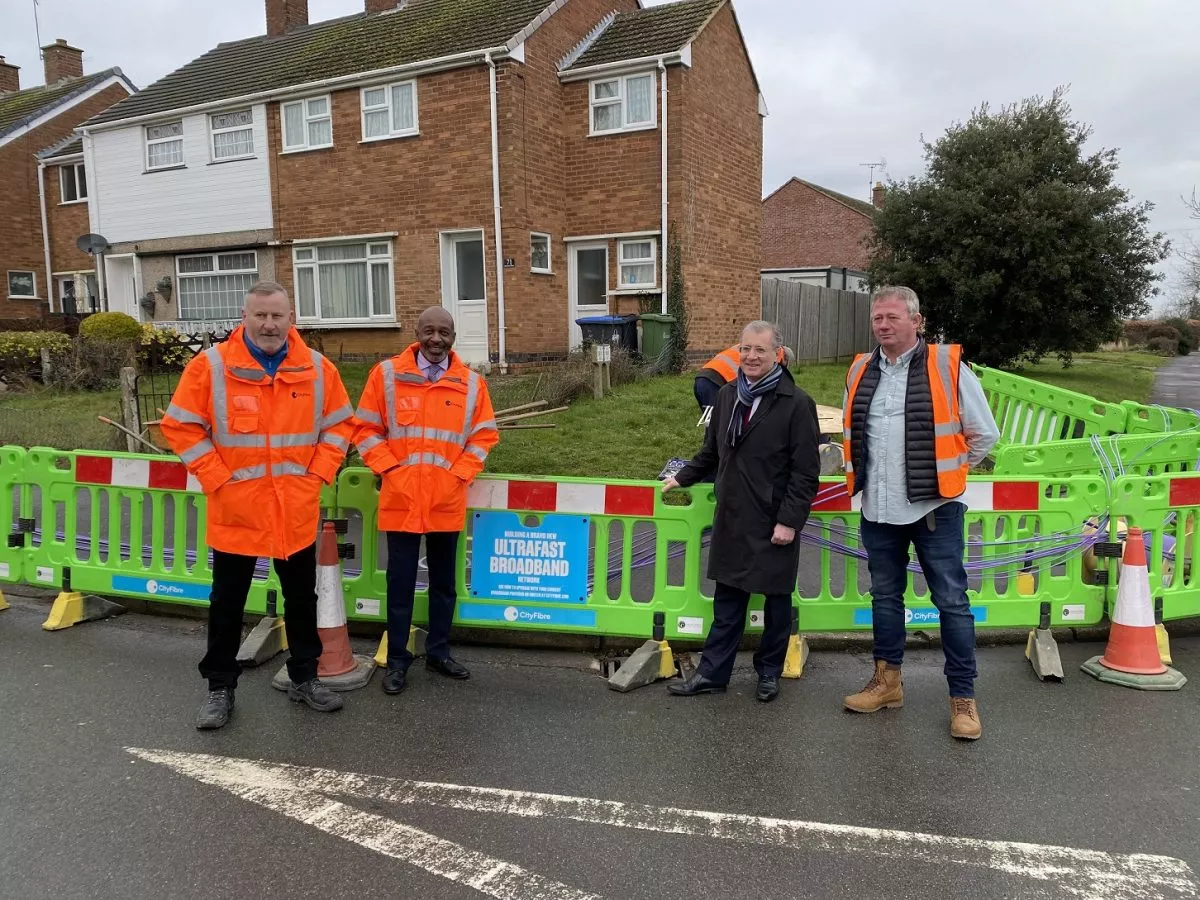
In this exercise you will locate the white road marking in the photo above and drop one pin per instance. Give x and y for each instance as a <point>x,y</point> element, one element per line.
<point>303,793</point>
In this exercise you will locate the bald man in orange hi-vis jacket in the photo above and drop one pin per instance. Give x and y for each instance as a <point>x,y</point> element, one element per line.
<point>425,425</point>
<point>262,421</point>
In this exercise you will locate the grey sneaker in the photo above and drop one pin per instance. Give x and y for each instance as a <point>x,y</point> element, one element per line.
<point>216,709</point>
<point>315,694</point>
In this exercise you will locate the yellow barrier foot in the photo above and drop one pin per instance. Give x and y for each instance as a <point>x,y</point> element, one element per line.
<point>797,656</point>
<point>666,660</point>
<point>4,604</point>
<point>1042,651</point>
<point>1160,633</point>
<point>72,607</point>
<point>416,645</point>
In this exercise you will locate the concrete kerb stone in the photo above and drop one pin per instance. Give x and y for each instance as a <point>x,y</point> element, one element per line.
<point>265,641</point>
<point>642,667</point>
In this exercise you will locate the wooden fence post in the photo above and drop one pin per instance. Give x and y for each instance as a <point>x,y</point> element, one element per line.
<point>129,406</point>
<point>47,367</point>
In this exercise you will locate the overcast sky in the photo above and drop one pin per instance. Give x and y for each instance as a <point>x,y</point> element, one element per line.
<point>846,82</point>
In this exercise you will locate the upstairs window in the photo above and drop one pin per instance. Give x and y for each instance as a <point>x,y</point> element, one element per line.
<point>623,104</point>
<point>389,111</point>
<point>164,145</point>
<point>307,124</point>
<point>72,183</point>
<point>232,135</point>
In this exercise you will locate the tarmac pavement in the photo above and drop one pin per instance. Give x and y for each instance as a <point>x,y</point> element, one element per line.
<point>108,791</point>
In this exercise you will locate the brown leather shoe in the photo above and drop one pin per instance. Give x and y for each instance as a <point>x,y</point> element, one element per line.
<point>885,690</point>
<point>964,719</point>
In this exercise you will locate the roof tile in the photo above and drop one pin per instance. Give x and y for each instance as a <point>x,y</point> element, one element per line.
<point>648,32</point>
<point>19,107</point>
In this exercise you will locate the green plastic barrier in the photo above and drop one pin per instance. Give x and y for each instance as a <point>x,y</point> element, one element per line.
<point>14,506</point>
<point>124,524</point>
<point>1166,508</point>
<point>1147,419</point>
<point>1030,412</point>
<point>1144,454</point>
<point>1008,524</point>
<point>627,523</point>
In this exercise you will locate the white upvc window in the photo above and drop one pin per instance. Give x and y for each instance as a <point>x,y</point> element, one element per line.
<point>72,182</point>
<point>623,104</point>
<point>22,285</point>
<point>389,111</point>
<point>306,124</point>
<point>344,283</point>
<point>164,145</point>
<point>232,135</point>
<point>213,286</point>
<point>539,253</point>
<point>638,264</point>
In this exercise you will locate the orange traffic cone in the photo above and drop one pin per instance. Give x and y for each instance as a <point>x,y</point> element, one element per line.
<point>1131,657</point>
<point>338,667</point>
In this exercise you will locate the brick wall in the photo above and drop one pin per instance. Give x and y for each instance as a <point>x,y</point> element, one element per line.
<point>540,142</point>
<point>66,222</point>
<point>719,212</point>
<point>802,227</point>
<point>418,187</point>
<point>20,210</point>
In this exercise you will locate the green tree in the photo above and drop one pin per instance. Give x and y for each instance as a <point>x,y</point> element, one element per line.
<point>1018,243</point>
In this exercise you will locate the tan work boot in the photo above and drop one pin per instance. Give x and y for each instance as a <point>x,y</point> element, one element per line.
<point>964,719</point>
<point>885,690</point>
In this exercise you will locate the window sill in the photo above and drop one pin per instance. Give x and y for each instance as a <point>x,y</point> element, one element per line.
<point>27,299</point>
<point>328,326</point>
<point>295,150</point>
<point>232,159</point>
<point>72,202</point>
<point>632,292</point>
<point>541,271</point>
<point>391,137</point>
<point>652,126</point>
<point>163,169</point>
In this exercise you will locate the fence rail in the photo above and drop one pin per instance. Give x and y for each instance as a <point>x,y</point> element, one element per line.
<point>820,324</point>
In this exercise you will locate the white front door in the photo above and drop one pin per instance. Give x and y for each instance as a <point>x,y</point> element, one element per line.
<point>121,285</point>
<point>464,293</point>
<point>587,285</point>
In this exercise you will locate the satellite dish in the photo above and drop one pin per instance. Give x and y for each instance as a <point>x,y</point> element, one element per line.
<point>92,244</point>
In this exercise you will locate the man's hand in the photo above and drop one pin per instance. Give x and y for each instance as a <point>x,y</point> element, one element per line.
<point>670,484</point>
<point>783,535</point>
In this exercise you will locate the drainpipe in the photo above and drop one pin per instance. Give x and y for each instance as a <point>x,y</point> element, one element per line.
<point>500,326</point>
<point>45,234</point>
<point>662,77</point>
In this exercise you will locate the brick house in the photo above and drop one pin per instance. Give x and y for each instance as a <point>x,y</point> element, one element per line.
<point>368,163</point>
<point>43,204</point>
<point>818,236</point>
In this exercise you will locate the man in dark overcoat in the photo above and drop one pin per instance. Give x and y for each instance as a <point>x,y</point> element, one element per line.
<point>762,444</point>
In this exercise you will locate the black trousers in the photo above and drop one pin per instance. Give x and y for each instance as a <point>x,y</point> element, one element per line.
<point>232,574</point>
<point>404,555</point>
<point>729,622</point>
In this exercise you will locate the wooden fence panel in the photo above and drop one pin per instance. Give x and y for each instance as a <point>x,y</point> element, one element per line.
<point>820,324</point>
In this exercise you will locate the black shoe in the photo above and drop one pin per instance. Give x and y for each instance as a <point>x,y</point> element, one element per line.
<point>315,695</point>
<point>697,684</point>
<point>216,709</point>
<point>395,680</point>
<point>768,688</point>
<point>447,667</point>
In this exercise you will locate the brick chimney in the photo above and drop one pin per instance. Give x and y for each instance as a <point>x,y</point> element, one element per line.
<point>10,78</point>
<point>877,195</point>
<point>378,6</point>
<point>285,15</point>
<point>62,61</point>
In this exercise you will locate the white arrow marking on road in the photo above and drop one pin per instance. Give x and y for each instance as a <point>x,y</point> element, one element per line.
<point>303,793</point>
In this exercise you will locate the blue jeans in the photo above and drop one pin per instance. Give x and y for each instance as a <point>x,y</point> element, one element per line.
<point>940,553</point>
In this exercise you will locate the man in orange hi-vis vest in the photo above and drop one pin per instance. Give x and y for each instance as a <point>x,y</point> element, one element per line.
<point>722,369</point>
<point>915,419</point>
<point>262,421</point>
<point>425,425</point>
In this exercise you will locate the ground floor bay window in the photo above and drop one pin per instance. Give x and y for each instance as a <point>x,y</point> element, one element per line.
<point>344,284</point>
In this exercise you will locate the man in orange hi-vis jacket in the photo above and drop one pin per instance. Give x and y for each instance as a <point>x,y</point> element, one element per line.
<point>261,421</point>
<point>425,424</point>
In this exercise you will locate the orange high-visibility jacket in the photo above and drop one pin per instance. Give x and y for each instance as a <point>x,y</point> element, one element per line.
<point>727,361</point>
<point>935,451</point>
<point>427,440</point>
<point>260,446</point>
